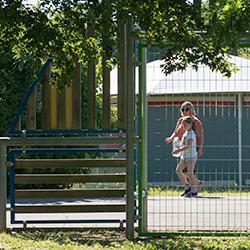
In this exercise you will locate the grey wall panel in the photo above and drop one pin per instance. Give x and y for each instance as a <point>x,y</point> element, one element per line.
<point>220,159</point>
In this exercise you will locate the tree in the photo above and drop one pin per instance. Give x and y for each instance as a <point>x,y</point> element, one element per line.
<point>58,29</point>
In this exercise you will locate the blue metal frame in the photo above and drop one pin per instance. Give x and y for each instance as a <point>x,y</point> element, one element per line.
<point>16,152</point>
<point>12,189</point>
<point>13,154</point>
<point>28,94</point>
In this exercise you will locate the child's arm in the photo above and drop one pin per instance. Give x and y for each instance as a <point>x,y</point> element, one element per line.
<point>185,147</point>
<point>171,137</point>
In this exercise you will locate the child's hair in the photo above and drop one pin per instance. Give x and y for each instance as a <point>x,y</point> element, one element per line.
<point>189,120</point>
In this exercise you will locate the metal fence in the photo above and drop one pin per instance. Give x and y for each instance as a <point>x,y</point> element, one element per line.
<point>222,104</point>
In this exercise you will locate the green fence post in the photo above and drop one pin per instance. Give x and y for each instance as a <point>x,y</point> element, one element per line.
<point>130,92</point>
<point>142,121</point>
<point>3,187</point>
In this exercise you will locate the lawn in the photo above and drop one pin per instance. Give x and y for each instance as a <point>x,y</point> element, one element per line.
<point>105,239</point>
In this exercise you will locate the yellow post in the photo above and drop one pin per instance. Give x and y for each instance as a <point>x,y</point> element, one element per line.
<point>31,111</point>
<point>61,108</point>
<point>77,98</point>
<point>46,100</point>
<point>53,107</point>
<point>68,106</point>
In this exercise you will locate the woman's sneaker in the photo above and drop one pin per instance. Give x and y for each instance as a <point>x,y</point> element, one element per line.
<point>191,195</point>
<point>186,191</point>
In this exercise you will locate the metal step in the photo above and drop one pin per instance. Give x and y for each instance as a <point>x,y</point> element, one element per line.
<point>55,193</point>
<point>67,178</point>
<point>55,208</point>
<point>70,163</point>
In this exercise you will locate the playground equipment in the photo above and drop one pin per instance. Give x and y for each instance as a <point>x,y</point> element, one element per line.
<point>61,133</point>
<point>64,133</point>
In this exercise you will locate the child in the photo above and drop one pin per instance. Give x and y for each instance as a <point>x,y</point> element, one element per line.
<point>188,158</point>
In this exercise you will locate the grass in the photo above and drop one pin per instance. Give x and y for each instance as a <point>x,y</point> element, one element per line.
<point>105,239</point>
<point>157,191</point>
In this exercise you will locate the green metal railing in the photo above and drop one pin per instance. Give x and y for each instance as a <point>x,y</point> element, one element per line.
<point>155,200</point>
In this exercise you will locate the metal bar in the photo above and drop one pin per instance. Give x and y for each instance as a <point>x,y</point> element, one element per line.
<point>60,141</point>
<point>136,146</point>
<point>3,187</point>
<point>140,156</point>
<point>53,193</point>
<point>66,221</point>
<point>67,178</point>
<point>130,92</point>
<point>12,191</point>
<point>67,132</point>
<point>194,234</point>
<point>64,150</point>
<point>142,122</point>
<point>27,95</point>
<point>240,101</point>
<point>55,208</point>
<point>75,163</point>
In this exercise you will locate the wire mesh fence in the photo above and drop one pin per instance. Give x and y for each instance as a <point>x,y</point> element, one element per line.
<point>222,203</point>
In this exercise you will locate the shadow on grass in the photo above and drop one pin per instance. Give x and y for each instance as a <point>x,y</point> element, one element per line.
<point>82,237</point>
<point>116,239</point>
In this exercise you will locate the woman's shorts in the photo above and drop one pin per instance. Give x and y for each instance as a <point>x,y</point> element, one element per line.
<point>190,160</point>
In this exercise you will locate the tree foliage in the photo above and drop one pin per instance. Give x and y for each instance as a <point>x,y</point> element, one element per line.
<point>59,29</point>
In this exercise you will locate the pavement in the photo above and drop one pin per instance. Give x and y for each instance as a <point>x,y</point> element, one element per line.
<point>165,213</point>
<point>211,213</point>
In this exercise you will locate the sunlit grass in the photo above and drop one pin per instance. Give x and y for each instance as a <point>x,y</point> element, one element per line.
<point>158,191</point>
<point>105,239</point>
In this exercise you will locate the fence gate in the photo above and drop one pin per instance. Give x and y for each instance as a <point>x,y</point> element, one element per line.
<point>65,186</point>
<point>223,106</point>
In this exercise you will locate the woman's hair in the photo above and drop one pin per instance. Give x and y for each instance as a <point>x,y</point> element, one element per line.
<point>189,120</point>
<point>186,106</point>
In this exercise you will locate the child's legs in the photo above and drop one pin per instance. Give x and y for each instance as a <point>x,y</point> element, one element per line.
<point>179,171</point>
<point>197,182</point>
<point>190,173</point>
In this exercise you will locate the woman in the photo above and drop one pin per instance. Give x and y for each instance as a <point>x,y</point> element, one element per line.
<point>187,109</point>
